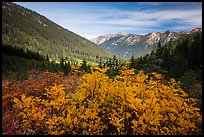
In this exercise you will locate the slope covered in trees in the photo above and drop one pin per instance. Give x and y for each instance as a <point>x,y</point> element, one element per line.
<point>175,57</point>
<point>29,30</point>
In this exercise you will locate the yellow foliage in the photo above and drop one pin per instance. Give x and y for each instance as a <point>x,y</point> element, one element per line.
<point>128,104</point>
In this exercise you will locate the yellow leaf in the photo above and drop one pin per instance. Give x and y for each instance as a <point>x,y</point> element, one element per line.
<point>16,100</point>
<point>23,97</point>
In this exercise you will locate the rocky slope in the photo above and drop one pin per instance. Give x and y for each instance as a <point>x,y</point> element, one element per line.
<point>126,45</point>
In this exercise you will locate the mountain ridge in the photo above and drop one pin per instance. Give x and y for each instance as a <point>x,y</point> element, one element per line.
<point>125,45</point>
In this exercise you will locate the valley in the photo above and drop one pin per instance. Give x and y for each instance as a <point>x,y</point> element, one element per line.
<point>57,82</point>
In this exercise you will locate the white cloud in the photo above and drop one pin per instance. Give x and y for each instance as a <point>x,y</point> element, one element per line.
<point>136,20</point>
<point>90,21</point>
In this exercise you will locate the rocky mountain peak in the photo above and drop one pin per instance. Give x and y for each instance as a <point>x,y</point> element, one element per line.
<point>154,35</point>
<point>125,45</point>
<point>196,29</point>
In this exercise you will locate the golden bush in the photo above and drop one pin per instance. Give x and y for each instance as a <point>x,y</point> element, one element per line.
<point>138,104</point>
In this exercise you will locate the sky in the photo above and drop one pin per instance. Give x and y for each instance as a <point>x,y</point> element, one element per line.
<point>93,19</point>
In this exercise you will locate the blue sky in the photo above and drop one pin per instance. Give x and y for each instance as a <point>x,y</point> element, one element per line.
<point>92,19</point>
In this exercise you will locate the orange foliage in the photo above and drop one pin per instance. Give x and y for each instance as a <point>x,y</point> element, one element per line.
<point>94,104</point>
<point>34,86</point>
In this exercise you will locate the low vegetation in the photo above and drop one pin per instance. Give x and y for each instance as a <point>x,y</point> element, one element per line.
<point>134,104</point>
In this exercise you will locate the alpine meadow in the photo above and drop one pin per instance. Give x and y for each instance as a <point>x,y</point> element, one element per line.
<point>101,68</point>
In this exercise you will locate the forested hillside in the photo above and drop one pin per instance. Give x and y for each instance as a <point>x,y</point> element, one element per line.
<point>175,57</point>
<point>28,30</point>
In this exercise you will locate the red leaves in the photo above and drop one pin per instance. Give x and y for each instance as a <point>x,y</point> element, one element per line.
<point>34,86</point>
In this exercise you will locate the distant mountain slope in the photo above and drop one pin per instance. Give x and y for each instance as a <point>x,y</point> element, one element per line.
<point>125,45</point>
<point>24,28</point>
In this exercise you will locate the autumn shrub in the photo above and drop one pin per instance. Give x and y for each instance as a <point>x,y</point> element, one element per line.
<point>134,104</point>
<point>35,86</point>
<point>9,91</point>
